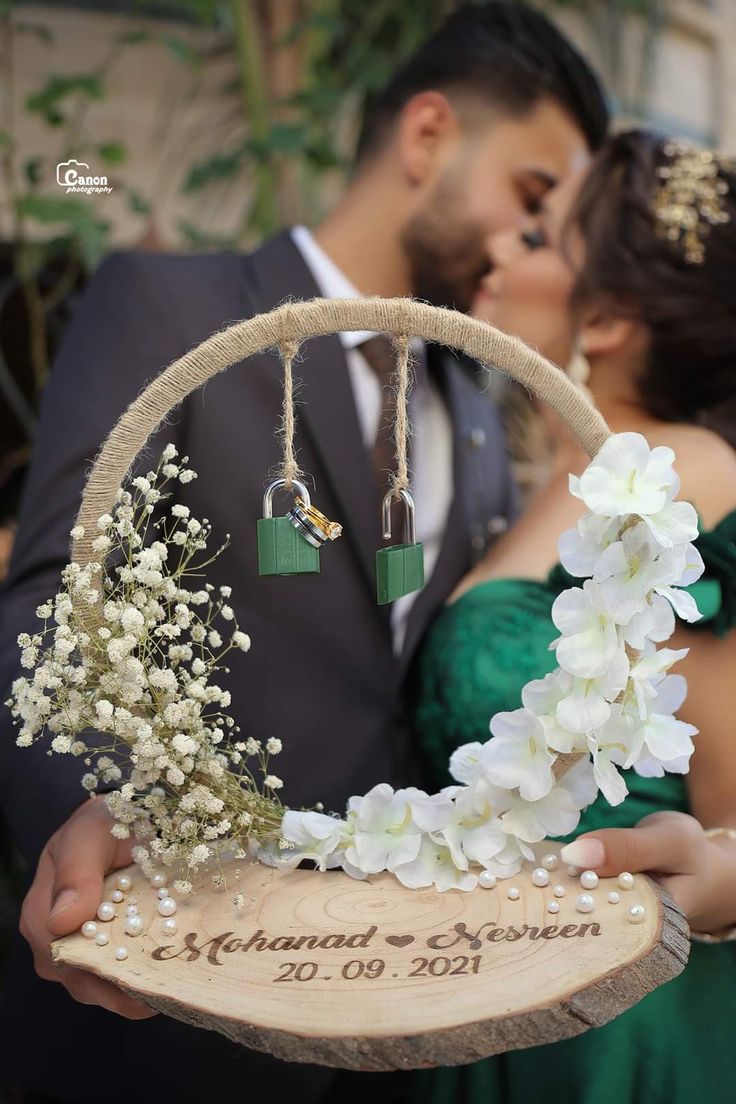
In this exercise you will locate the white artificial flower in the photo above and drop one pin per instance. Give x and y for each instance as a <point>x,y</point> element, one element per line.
<point>666,738</point>
<point>589,638</point>
<point>472,830</point>
<point>656,622</point>
<point>618,743</point>
<point>465,763</point>
<point>543,697</point>
<point>580,548</point>
<point>627,477</point>
<point>384,832</point>
<point>313,836</point>
<point>241,640</point>
<point>273,745</point>
<point>433,865</point>
<point>180,511</point>
<point>587,705</point>
<point>517,756</point>
<point>676,523</point>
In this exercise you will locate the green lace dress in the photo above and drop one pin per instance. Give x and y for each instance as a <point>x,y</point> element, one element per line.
<point>678,1045</point>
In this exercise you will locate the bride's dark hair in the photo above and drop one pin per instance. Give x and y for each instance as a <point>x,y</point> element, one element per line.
<point>689,308</point>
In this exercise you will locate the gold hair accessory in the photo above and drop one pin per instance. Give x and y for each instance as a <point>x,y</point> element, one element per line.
<point>689,199</point>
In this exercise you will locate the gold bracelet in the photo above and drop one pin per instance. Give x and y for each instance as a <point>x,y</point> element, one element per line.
<point>729,935</point>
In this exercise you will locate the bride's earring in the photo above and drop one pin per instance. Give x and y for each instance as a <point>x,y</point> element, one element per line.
<point>578,367</point>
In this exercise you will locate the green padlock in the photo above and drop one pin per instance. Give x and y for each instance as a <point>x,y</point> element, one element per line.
<point>282,548</point>
<point>399,568</point>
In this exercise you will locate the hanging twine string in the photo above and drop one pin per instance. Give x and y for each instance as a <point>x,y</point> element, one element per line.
<point>402,427</point>
<point>288,349</point>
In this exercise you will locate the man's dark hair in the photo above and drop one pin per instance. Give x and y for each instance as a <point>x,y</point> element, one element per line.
<point>503,52</point>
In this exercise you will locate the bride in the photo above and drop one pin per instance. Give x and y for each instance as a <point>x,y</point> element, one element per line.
<point>628,276</point>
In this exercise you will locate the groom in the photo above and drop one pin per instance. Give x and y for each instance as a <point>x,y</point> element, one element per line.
<point>465,139</point>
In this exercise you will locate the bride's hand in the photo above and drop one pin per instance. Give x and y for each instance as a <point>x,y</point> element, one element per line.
<point>698,872</point>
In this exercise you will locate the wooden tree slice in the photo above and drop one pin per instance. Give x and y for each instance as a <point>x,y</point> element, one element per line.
<point>369,975</point>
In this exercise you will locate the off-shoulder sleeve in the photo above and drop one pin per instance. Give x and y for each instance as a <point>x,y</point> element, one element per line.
<point>715,591</point>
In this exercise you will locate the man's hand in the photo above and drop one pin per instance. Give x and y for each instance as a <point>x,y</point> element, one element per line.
<point>697,872</point>
<point>66,891</point>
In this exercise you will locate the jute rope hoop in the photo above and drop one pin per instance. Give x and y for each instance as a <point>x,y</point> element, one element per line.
<point>295,322</point>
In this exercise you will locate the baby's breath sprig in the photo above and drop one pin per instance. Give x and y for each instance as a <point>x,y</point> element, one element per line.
<point>136,696</point>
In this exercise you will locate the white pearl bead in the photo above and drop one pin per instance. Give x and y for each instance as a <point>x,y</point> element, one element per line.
<point>540,877</point>
<point>573,871</point>
<point>132,910</point>
<point>513,894</point>
<point>589,879</point>
<point>133,925</point>
<point>487,880</point>
<point>167,907</point>
<point>125,883</point>
<point>585,903</point>
<point>106,910</point>
<point>558,890</point>
<point>101,939</point>
<point>89,929</point>
<point>116,896</point>
<point>159,880</point>
<point>614,897</point>
<point>637,914</point>
<point>163,892</point>
<point>168,926</point>
<point>626,880</point>
<point>553,907</point>
<point>121,953</point>
<point>550,862</point>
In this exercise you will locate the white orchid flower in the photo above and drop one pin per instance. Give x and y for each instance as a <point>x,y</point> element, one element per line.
<point>384,832</point>
<point>542,697</point>
<point>685,567</point>
<point>589,638</point>
<point>434,865</point>
<point>627,477</point>
<point>517,756</point>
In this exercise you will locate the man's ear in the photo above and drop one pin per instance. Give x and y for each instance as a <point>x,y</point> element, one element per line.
<point>604,334</point>
<point>427,126</point>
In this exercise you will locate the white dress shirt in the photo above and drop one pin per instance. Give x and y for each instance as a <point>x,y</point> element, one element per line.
<point>432,475</point>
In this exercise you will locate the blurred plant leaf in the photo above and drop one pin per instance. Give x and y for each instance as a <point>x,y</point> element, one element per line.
<point>33,170</point>
<point>48,100</point>
<point>112,153</point>
<point>36,29</point>
<point>182,50</point>
<point>219,167</point>
<point>137,203</point>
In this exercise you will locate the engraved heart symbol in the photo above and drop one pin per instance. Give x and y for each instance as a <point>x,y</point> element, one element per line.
<point>399,940</point>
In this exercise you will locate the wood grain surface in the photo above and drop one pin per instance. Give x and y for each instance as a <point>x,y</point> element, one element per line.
<point>368,975</point>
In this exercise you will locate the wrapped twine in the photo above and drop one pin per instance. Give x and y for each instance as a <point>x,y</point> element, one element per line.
<point>284,328</point>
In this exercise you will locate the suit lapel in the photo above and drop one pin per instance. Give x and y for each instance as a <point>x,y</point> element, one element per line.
<point>326,405</point>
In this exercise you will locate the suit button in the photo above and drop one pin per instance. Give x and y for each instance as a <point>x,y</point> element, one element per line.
<point>497,525</point>
<point>477,437</point>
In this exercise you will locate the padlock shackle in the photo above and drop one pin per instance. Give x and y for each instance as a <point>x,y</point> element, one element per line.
<point>410,512</point>
<point>277,485</point>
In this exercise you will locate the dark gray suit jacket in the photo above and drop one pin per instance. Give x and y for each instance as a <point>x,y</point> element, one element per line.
<point>320,674</point>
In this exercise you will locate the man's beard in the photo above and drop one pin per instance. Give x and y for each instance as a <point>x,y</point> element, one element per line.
<point>445,253</point>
